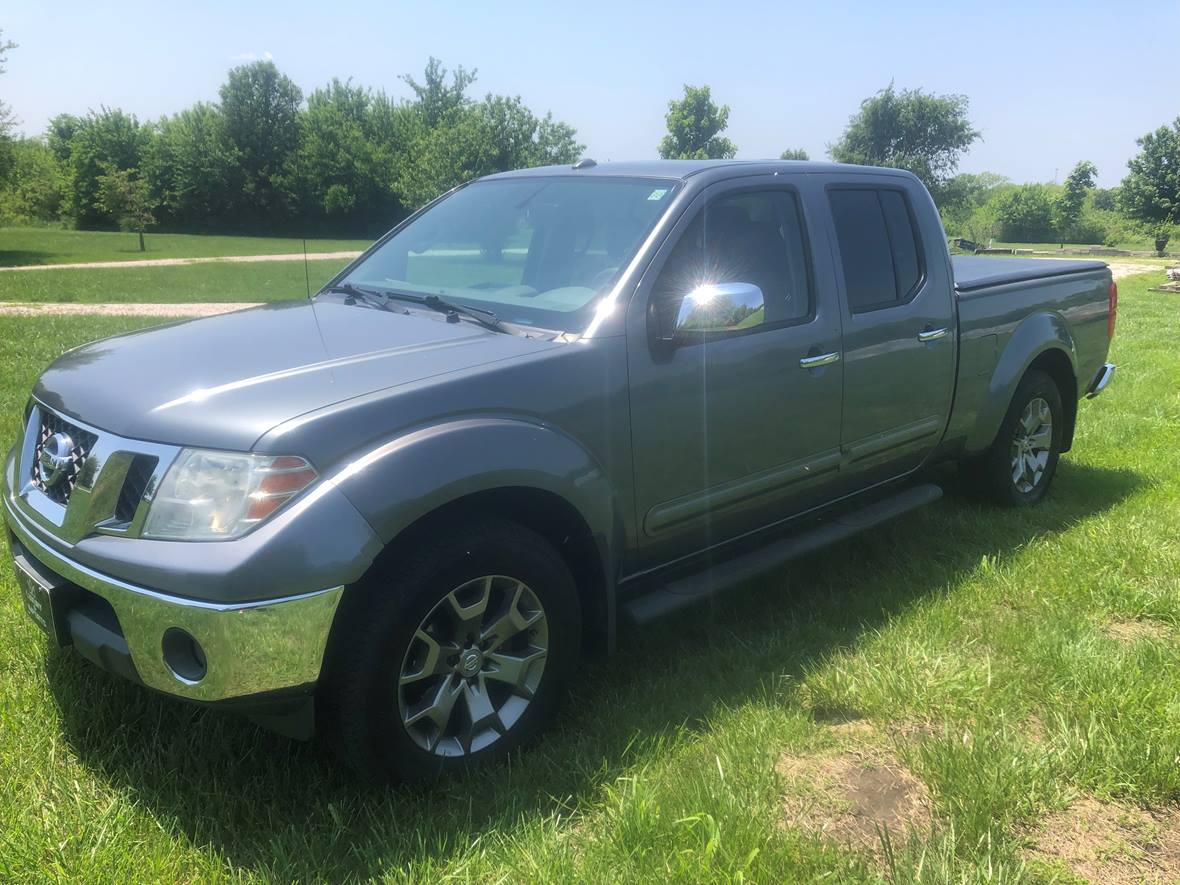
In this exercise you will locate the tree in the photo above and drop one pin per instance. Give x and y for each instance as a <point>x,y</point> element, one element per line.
<point>261,110</point>
<point>1025,213</point>
<point>36,189</point>
<point>468,139</point>
<point>97,142</point>
<point>961,198</point>
<point>125,196</point>
<point>1069,206</point>
<point>435,101</point>
<point>695,124</point>
<point>7,120</point>
<point>194,172</point>
<point>345,167</point>
<point>794,154</point>
<point>1151,191</point>
<point>922,132</point>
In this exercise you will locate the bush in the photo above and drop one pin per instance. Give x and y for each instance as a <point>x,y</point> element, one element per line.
<point>1025,214</point>
<point>38,190</point>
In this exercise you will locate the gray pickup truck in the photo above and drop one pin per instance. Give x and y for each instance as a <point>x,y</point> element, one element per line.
<point>549,402</point>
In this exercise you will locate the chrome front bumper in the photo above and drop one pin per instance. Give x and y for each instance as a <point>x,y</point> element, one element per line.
<point>249,648</point>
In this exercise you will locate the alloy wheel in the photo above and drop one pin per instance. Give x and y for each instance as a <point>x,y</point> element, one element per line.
<point>1031,445</point>
<point>473,666</point>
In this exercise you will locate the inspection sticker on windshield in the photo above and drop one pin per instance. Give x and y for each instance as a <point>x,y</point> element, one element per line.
<point>658,193</point>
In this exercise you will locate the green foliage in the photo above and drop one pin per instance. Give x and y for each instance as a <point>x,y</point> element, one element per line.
<point>1151,191</point>
<point>1068,210</point>
<point>347,158</point>
<point>7,121</point>
<point>1025,214</point>
<point>924,133</point>
<point>98,142</point>
<point>37,189</point>
<point>470,139</point>
<point>794,154</point>
<point>962,200</point>
<point>124,195</point>
<point>351,160</point>
<point>695,124</point>
<point>260,106</point>
<point>194,171</point>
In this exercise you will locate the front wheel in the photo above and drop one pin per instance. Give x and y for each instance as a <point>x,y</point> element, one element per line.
<point>1019,466</point>
<point>455,656</point>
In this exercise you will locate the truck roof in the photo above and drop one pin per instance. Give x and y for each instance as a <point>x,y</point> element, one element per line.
<point>684,169</point>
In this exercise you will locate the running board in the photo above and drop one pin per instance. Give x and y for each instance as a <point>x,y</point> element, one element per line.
<point>700,586</point>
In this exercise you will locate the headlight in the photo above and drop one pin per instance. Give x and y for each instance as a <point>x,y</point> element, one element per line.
<point>214,496</point>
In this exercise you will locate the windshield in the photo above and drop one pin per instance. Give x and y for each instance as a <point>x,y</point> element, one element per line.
<point>536,251</point>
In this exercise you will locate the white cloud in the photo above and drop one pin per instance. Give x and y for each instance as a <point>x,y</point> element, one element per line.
<point>253,56</point>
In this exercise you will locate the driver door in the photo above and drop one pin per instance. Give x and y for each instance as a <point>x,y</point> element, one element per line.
<point>733,428</point>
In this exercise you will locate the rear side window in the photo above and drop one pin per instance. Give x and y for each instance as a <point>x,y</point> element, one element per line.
<point>879,249</point>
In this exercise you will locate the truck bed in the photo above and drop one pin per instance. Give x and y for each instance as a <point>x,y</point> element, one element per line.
<point>977,272</point>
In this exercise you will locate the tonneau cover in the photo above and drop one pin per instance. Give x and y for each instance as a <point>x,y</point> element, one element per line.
<point>976,272</point>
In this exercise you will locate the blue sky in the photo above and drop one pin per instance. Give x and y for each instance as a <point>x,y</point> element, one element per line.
<point>1050,84</point>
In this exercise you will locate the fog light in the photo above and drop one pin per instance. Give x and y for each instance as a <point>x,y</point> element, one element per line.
<point>184,655</point>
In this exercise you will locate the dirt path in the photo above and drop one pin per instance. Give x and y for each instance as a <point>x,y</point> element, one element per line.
<point>172,262</point>
<point>129,309</point>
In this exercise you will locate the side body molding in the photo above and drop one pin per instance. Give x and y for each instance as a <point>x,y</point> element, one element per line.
<point>415,473</point>
<point>1035,335</point>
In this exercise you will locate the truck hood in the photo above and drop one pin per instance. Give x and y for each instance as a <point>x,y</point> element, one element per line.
<point>223,381</point>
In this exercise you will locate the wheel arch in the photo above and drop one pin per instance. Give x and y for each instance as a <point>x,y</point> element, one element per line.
<point>1041,342</point>
<point>502,468</point>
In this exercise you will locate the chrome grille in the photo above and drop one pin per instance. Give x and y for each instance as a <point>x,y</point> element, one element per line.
<point>83,441</point>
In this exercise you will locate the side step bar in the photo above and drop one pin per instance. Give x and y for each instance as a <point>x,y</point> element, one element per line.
<point>697,587</point>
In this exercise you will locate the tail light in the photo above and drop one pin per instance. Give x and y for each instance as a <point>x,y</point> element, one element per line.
<point>1112,308</point>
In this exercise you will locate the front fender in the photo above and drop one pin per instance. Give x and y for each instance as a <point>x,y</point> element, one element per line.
<point>401,480</point>
<point>1035,335</point>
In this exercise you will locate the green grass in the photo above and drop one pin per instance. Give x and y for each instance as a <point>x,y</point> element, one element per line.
<point>216,281</point>
<point>42,245</point>
<point>1144,245</point>
<point>971,638</point>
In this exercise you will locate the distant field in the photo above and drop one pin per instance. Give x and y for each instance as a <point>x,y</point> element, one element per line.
<point>216,281</point>
<point>41,245</point>
<point>1129,246</point>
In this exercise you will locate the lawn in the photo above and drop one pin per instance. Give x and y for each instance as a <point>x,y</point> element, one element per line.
<point>1011,665</point>
<point>46,245</point>
<point>215,281</point>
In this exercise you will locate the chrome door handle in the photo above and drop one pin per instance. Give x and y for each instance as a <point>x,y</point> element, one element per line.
<point>932,335</point>
<point>814,362</point>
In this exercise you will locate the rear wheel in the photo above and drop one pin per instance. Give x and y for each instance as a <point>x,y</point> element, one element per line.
<point>453,657</point>
<point>1020,464</point>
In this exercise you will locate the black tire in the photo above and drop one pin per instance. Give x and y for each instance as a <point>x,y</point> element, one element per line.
<point>363,705</point>
<point>994,475</point>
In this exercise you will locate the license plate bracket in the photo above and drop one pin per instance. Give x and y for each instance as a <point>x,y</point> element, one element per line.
<point>39,591</point>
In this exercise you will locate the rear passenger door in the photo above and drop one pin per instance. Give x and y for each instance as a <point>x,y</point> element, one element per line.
<point>899,338</point>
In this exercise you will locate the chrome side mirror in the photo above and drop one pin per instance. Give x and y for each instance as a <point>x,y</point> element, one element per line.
<point>720,307</point>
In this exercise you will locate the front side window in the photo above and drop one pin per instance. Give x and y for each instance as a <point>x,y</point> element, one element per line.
<point>750,237</point>
<point>878,247</point>
<point>536,251</point>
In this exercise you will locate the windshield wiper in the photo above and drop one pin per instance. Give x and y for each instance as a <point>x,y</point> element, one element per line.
<point>481,315</point>
<point>372,297</point>
<point>485,318</point>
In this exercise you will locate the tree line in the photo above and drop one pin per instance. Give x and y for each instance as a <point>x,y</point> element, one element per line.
<point>346,159</point>
<point>929,134</point>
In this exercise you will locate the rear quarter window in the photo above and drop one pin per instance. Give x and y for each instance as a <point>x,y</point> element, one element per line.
<point>879,248</point>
